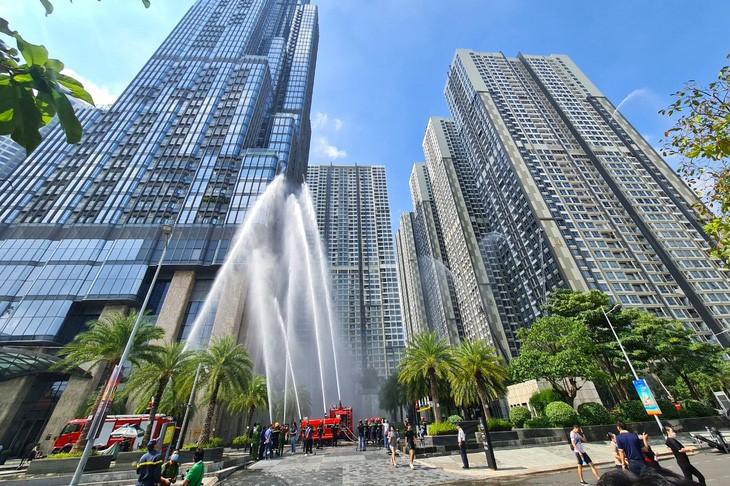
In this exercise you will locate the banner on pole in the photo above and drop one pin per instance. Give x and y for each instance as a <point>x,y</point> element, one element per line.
<point>423,404</point>
<point>646,397</point>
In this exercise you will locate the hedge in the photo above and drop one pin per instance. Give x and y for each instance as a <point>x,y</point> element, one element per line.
<point>540,422</point>
<point>454,419</point>
<point>560,414</point>
<point>540,400</point>
<point>497,425</point>
<point>592,413</point>
<point>442,428</point>
<point>518,416</point>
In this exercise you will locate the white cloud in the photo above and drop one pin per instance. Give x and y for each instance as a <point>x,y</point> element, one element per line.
<point>325,149</point>
<point>338,124</point>
<point>101,94</point>
<point>319,121</point>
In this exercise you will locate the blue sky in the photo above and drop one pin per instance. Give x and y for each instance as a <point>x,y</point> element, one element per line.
<point>382,64</point>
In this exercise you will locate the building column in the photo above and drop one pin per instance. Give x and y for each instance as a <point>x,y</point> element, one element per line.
<point>172,314</point>
<point>12,395</point>
<point>77,391</point>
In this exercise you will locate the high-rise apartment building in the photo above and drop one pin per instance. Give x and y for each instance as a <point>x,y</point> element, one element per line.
<point>220,109</point>
<point>557,189</point>
<point>353,215</point>
<point>432,262</point>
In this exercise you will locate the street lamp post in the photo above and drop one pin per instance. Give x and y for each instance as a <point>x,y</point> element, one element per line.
<point>108,394</point>
<point>719,333</point>
<point>626,356</point>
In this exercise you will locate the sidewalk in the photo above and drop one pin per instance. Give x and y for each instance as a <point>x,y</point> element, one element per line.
<point>536,459</point>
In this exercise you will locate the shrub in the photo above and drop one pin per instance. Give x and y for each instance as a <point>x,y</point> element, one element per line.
<point>241,441</point>
<point>454,419</point>
<point>496,425</point>
<point>560,414</point>
<point>693,408</point>
<point>540,422</point>
<point>592,413</point>
<point>633,411</point>
<point>669,411</point>
<point>540,400</point>
<point>68,455</point>
<point>212,442</point>
<point>518,416</point>
<point>442,428</point>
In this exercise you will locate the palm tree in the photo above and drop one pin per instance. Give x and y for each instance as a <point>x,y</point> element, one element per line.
<point>478,373</point>
<point>254,396</point>
<point>153,377</point>
<point>228,368</point>
<point>429,357</point>
<point>103,344</point>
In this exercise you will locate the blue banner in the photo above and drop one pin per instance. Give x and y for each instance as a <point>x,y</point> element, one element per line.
<point>646,397</point>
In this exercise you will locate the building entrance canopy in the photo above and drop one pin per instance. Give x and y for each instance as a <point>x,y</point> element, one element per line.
<point>17,362</point>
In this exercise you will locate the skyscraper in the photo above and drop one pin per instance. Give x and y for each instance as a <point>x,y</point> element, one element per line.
<point>353,215</point>
<point>220,108</point>
<point>547,185</point>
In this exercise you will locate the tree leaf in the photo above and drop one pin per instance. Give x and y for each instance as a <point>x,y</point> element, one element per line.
<point>26,120</point>
<point>76,89</point>
<point>49,7</point>
<point>67,118</point>
<point>33,54</point>
<point>55,65</point>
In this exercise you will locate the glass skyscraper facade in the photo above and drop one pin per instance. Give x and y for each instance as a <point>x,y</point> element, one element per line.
<point>218,111</point>
<point>540,183</point>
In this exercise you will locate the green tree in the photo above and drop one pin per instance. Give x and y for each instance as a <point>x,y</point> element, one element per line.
<point>393,395</point>
<point>586,307</point>
<point>557,349</point>
<point>228,368</point>
<point>429,357</point>
<point>153,377</point>
<point>701,135</point>
<point>253,397</point>
<point>478,366</point>
<point>103,344</point>
<point>668,346</point>
<point>277,403</point>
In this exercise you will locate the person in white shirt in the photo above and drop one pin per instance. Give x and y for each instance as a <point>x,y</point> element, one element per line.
<point>576,443</point>
<point>386,428</point>
<point>462,447</point>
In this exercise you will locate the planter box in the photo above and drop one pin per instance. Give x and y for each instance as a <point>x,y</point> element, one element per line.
<point>64,466</point>
<point>215,454</point>
<point>128,458</point>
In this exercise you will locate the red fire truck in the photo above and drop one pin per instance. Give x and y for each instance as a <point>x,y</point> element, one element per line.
<point>130,435</point>
<point>345,416</point>
<point>328,425</point>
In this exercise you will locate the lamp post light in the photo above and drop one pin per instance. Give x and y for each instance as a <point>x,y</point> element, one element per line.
<point>108,394</point>
<point>626,356</point>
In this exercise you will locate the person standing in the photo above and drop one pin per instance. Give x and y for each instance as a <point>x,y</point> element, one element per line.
<point>461,437</point>
<point>411,443</point>
<point>293,432</point>
<point>194,477</point>
<point>392,442</point>
<point>360,436</point>
<point>275,439</point>
<point>149,466</point>
<point>576,443</point>
<point>308,434</point>
<point>335,434</point>
<point>680,454</point>
<point>386,429</point>
<point>614,451</point>
<point>268,442</point>
<point>629,448</point>
<point>255,440</point>
<point>320,433</point>
<point>282,439</point>
<point>262,442</point>
<point>171,468</point>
